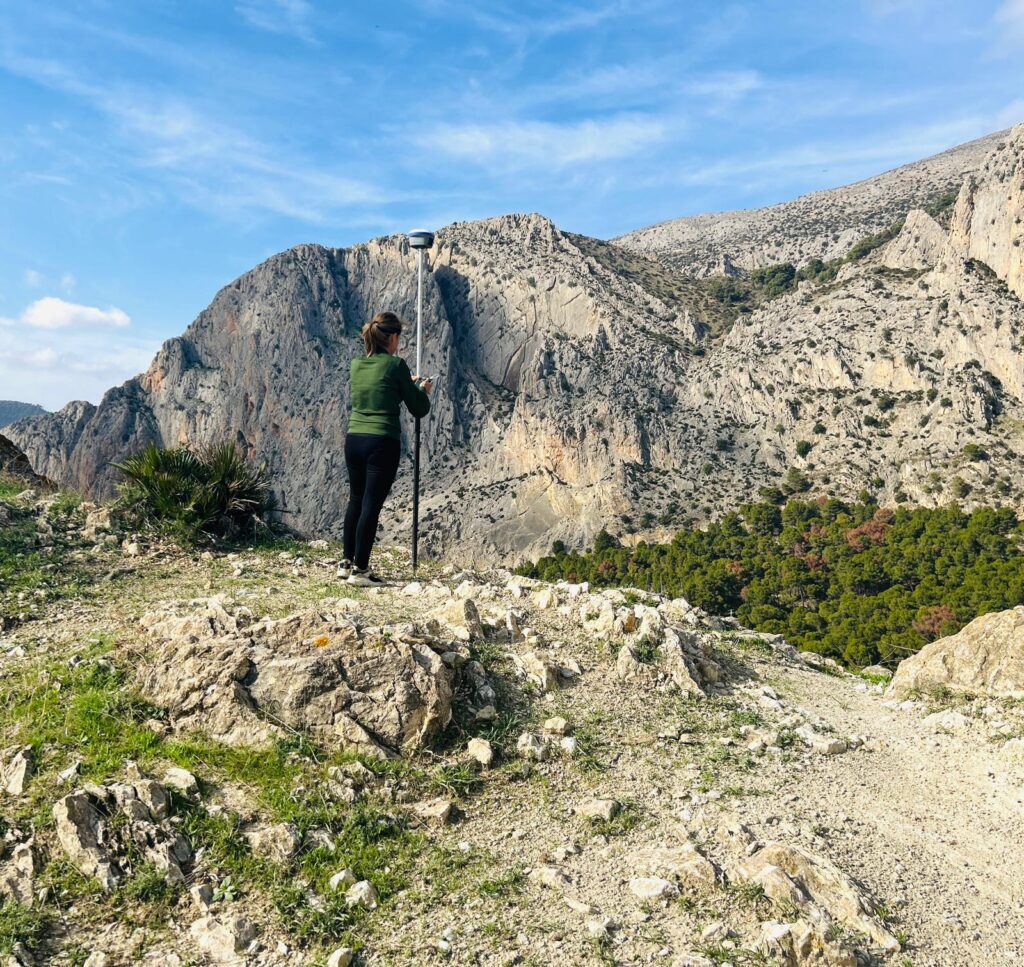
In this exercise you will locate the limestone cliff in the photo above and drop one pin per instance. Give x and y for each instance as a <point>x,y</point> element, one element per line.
<point>580,388</point>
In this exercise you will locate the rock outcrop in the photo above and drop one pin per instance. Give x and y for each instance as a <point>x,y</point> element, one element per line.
<point>381,689</point>
<point>15,465</point>
<point>986,657</point>
<point>103,830</point>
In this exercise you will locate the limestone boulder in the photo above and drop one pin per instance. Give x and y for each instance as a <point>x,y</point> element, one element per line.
<point>986,657</point>
<point>382,689</point>
<point>796,879</point>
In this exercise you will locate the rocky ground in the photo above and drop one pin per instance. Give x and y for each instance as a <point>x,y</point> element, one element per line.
<point>233,757</point>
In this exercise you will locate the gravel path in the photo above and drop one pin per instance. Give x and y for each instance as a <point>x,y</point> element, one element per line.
<point>930,819</point>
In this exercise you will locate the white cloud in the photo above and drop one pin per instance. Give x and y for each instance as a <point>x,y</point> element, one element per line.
<point>291,17</point>
<point>67,281</point>
<point>43,358</point>
<point>54,313</point>
<point>33,279</point>
<point>52,368</point>
<point>527,144</point>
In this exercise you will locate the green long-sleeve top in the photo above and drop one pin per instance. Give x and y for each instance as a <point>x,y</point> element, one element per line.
<point>378,386</point>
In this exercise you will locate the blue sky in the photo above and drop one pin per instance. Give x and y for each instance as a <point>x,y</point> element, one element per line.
<point>153,151</point>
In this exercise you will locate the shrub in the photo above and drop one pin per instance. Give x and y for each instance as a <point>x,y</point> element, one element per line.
<point>189,492</point>
<point>803,447</point>
<point>851,580</point>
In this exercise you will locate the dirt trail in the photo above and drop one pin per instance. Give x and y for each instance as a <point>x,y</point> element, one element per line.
<point>930,819</point>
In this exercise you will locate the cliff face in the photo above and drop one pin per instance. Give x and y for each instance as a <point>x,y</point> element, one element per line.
<point>579,389</point>
<point>988,221</point>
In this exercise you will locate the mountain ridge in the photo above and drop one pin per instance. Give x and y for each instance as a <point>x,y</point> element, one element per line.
<point>792,231</point>
<point>582,386</point>
<point>12,410</point>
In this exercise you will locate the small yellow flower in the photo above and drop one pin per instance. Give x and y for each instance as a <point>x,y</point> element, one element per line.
<point>322,641</point>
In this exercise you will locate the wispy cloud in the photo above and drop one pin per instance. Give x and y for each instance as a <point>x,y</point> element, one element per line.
<point>1009,19</point>
<point>289,17</point>
<point>33,279</point>
<point>728,85</point>
<point>844,156</point>
<point>212,163</point>
<point>524,26</point>
<point>54,313</point>
<point>530,144</point>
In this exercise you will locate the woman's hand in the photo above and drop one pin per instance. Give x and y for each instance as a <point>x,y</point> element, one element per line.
<point>424,384</point>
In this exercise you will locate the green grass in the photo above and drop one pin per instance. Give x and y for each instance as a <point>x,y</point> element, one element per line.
<point>628,817</point>
<point>28,925</point>
<point>509,883</point>
<point>85,713</point>
<point>26,568</point>
<point>95,716</point>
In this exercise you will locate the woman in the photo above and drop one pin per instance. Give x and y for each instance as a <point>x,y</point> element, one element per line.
<point>380,383</point>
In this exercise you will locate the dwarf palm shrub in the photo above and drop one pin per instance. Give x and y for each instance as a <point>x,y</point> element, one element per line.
<point>193,491</point>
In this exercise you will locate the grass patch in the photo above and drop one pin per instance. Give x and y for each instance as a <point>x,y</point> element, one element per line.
<point>27,925</point>
<point>628,817</point>
<point>87,712</point>
<point>37,573</point>
<point>510,883</point>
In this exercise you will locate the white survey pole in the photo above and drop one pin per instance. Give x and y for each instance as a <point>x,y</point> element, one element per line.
<point>420,240</point>
<point>419,315</point>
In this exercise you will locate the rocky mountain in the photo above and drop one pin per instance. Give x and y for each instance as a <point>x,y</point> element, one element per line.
<point>11,410</point>
<point>581,385</point>
<point>822,224</point>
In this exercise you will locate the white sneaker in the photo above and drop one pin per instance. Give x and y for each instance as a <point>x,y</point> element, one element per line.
<point>345,568</point>
<point>365,579</point>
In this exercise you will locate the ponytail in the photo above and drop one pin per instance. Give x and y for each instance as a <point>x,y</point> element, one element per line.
<point>379,330</point>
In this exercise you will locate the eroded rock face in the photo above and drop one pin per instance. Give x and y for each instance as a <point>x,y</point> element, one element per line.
<point>383,689</point>
<point>988,222</point>
<point>14,463</point>
<point>986,657</point>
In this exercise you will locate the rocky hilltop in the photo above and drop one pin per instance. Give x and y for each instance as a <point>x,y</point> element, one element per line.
<point>822,224</point>
<point>581,385</point>
<point>235,758</point>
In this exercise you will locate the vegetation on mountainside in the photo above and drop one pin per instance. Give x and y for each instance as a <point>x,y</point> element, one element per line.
<point>742,295</point>
<point>189,492</point>
<point>854,581</point>
<point>11,410</point>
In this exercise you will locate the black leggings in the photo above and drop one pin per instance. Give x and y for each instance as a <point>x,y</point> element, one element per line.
<point>372,463</point>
